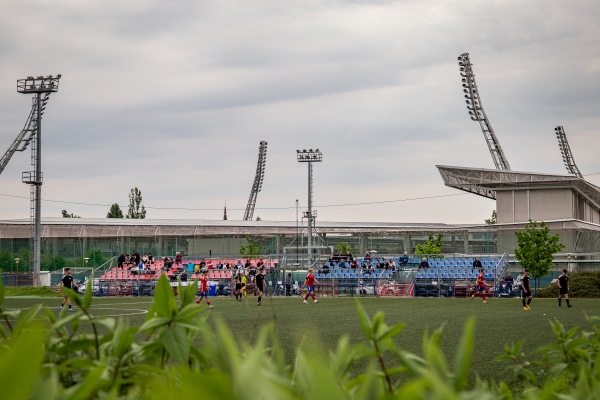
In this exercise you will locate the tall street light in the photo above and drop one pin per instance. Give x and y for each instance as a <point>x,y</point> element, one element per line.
<point>41,87</point>
<point>309,156</point>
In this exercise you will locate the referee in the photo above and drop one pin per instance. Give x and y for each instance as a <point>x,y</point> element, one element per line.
<point>67,282</point>
<point>563,288</point>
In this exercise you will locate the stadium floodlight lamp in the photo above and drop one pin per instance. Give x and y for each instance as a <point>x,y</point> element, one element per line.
<point>309,155</point>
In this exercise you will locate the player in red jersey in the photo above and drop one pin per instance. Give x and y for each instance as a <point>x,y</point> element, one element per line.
<point>204,288</point>
<point>309,283</point>
<point>481,289</point>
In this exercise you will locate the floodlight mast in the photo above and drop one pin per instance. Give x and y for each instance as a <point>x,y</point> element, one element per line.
<point>565,150</point>
<point>258,180</point>
<point>309,156</point>
<point>478,114</point>
<point>40,87</point>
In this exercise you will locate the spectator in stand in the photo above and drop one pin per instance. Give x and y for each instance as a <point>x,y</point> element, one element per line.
<point>239,264</point>
<point>178,259</point>
<point>354,264</point>
<point>336,256</point>
<point>202,265</point>
<point>367,256</point>
<point>477,264</point>
<point>150,258</point>
<point>325,269</point>
<point>127,259</point>
<point>509,281</point>
<point>424,263</point>
<point>369,268</point>
<point>120,261</point>
<point>219,265</point>
<point>247,265</point>
<point>136,258</point>
<point>363,265</point>
<point>393,265</point>
<point>183,276</point>
<point>404,260</point>
<point>145,259</point>
<point>168,263</point>
<point>260,263</point>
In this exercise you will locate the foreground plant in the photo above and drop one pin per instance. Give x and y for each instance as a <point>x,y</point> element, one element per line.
<point>177,354</point>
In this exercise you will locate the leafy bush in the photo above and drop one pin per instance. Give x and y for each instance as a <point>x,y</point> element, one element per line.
<point>47,357</point>
<point>582,284</point>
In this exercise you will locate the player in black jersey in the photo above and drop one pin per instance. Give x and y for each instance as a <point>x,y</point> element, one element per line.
<point>563,288</point>
<point>260,283</point>
<point>68,282</point>
<point>526,290</point>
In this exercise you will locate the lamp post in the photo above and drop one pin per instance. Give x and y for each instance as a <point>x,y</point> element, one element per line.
<point>41,87</point>
<point>309,157</point>
<point>86,259</point>
<point>17,261</point>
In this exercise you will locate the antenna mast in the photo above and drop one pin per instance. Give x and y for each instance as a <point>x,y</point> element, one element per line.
<point>258,180</point>
<point>478,114</point>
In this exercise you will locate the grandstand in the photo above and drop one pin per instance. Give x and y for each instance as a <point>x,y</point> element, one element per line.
<point>447,277</point>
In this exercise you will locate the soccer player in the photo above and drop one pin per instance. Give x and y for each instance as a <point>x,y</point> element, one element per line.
<point>260,283</point>
<point>204,288</point>
<point>526,291</point>
<point>238,287</point>
<point>481,289</point>
<point>68,282</point>
<point>243,281</point>
<point>563,288</point>
<point>309,283</point>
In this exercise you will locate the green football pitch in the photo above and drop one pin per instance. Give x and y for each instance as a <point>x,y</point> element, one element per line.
<point>499,322</point>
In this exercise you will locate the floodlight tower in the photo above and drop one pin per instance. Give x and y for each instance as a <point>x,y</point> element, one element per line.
<point>478,114</point>
<point>258,180</point>
<point>40,87</point>
<point>565,150</point>
<point>309,156</point>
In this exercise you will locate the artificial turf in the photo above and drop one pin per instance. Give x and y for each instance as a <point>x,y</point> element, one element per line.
<point>499,322</point>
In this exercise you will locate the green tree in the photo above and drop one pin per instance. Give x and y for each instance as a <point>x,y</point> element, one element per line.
<point>493,219</point>
<point>136,208</point>
<point>65,214</point>
<point>432,246</point>
<point>50,262</point>
<point>252,249</point>
<point>343,247</point>
<point>535,249</point>
<point>115,212</point>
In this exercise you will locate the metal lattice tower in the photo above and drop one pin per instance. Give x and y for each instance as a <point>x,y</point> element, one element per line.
<point>258,180</point>
<point>478,114</point>
<point>565,150</point>
<point>40,87</point>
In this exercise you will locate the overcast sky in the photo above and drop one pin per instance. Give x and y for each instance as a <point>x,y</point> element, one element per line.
<point>174,98</point>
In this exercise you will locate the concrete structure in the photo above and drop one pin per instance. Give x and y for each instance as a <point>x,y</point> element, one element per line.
<point>569,205</point>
